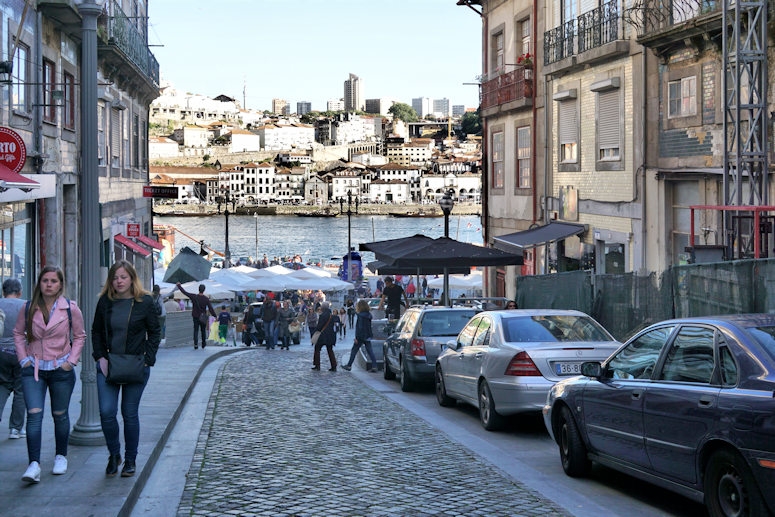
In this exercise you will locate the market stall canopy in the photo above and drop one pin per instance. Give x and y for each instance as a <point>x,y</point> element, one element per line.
<point>421,251</point>
<point>187,266</point>
<point>546,234</point>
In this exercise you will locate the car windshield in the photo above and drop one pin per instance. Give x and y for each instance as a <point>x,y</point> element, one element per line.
<point>444,323</point>
<point>556,328</point>
<point>765,336</point>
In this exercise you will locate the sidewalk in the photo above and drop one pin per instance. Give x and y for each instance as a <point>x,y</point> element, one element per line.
<point>85,490</point>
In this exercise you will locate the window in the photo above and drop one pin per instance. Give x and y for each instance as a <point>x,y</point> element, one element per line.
<point>136,141</point>
<point>69,99</point>
<point>20,98</point>
<point>523,157</point>
<point>608,125</point>
<point>498,167</point>
<point>49,82</point>
<point>682,97</point>
<point>637,361</point>
<point>115,138</point>
<point>497,52</point>
<point>690,358</point>
<point>101,142</point>
<point>524,32</point>
<point>569,10</point>
<point>568,131</point>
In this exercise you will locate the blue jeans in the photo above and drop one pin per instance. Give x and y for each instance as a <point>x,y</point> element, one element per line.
<point>59,384</point>
<point>11,383</point>
<point>270,330</point>
<point>369,352</point>
<point>107,393</point>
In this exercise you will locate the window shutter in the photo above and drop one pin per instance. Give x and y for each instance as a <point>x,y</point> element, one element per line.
<point>608,120</point>
<point>115,133</point>
<point>569,127</point>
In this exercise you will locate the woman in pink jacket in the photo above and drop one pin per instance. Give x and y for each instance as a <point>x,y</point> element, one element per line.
<point>49,338</point>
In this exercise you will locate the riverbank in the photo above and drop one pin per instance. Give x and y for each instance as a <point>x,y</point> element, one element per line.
<point>310,210</point>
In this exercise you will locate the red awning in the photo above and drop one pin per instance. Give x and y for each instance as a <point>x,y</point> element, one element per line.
<point>150,242</point>
<point>131,245</point>
<point>11,179</point>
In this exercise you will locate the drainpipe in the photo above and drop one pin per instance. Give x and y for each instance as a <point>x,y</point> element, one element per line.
<point>535,115</point>
<point>642,168</point>
<point>37,132</point>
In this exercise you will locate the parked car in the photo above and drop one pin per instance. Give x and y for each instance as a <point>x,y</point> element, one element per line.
<point>686,404</point>
<point>410,351</point>
<point>505,362</point>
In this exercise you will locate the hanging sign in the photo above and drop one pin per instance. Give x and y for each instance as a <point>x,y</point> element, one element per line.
<point>13,152</point>
<point>132,229</point>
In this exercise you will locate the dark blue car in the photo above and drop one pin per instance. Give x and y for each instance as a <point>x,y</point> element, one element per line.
<point>686,404</point>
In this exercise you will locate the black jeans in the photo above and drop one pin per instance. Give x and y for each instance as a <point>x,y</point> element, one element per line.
<point>202,329</point>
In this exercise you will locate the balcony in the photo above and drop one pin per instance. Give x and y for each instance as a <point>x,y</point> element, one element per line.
<point>594,36</point>
<point>124,49</point>
<point>667,24</point>
<point>507,91</point>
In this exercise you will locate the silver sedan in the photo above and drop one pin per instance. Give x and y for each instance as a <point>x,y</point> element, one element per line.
<point>505,362</point>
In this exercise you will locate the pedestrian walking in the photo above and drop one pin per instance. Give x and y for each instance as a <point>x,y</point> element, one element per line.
<point>311,319</point>
<point>224,320</point>
<point>10,372</point>
<point>269,317</point>
<point>285,315</point>
<point>342,323</point>
<point>391,298</point>
<point>363,335</point>
<point>162,312</point>
<point>49,339</point>
<point>326,325</point>
<point>170,305</point>
<point>200,306</point>
<point>125,322</point>
<point>350,312</point>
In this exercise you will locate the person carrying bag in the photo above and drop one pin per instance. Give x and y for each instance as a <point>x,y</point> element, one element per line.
<point>326,337</point>
<point>125,337</point>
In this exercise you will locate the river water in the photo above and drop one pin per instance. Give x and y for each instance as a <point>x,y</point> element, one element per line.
<point>316,239</point>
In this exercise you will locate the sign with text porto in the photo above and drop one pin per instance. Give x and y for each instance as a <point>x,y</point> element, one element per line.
<point>13,152</point>
<point>162,192</point>
<point>132,229</point>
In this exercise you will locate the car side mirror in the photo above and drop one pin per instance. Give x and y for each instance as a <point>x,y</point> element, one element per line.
<point>592,369</point>
<point>452,344</point>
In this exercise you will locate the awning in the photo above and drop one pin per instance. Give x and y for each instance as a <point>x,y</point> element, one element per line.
<point>131,245</point>
<point>153,243</point>
<point>538,236</point>
<point>11,179</point>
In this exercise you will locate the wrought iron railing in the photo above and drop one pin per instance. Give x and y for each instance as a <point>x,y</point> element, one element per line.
<point>559,43</point>
<point>504,88</point>
<point>599,26</point>
<point>123,33</point>
<point>655,16</point>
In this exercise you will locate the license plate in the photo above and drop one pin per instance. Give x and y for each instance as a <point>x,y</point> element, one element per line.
<point>567,368</point>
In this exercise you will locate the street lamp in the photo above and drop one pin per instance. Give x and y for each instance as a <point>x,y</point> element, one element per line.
<point>255,216</point>
<point>350,254</point>
<point>446,203</point>
<point>226,252</point>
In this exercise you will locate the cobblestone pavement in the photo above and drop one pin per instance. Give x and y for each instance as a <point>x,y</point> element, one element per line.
<point>279,439</point>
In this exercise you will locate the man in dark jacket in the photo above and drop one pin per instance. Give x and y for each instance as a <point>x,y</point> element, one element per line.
<point>201,304</point>
<point>270,325</point>
<point>326,325</point>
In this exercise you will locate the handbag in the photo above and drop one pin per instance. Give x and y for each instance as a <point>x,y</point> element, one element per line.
<point>294,327</point>
<point>126,368</point>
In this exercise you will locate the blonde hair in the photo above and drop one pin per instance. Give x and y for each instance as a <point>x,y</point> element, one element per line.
<point>136,288</point>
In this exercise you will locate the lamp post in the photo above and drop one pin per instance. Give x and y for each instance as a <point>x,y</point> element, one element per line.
<point>446,203</point>
<point>226,252</point>
<point>255,217</point>
<point>349,213</point>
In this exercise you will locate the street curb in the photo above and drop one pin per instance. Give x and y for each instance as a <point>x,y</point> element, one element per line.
<point>145,473</point>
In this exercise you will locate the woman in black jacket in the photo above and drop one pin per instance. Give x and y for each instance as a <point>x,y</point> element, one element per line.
<point>327,322</point>
<point>126,321</point>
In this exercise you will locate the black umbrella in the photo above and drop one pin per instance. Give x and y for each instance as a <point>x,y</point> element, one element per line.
<point>188,266</point>
<point>421,251</point>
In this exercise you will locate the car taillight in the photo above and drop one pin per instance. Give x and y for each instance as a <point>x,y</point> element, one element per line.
<point>418,347</point>
<point>521,365</point>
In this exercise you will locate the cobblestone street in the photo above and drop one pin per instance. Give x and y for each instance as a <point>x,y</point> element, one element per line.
<point>280,439</point>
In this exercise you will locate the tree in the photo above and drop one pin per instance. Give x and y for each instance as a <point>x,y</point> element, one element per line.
<point>404,112</point>
<point>471,123</point>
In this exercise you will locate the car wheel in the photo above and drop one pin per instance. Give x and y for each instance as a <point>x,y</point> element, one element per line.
<point>441,390</point>
<point>490,418</point>
<point>407,384</point>
<point>387,373</point>
<point>730,489</point>
<point>573,453</point>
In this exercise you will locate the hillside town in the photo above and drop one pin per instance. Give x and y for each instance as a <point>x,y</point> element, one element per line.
<point>214,150</point>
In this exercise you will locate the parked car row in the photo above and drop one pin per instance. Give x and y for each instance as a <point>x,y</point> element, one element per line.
<point>686,404</point>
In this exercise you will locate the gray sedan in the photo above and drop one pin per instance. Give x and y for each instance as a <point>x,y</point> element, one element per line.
<point>686,404</point>
<point>505,362</point>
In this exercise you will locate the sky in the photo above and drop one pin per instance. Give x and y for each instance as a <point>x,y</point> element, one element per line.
<point>304,50</point>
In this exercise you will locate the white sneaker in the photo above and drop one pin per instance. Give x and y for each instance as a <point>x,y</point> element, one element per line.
<point>32,474</point>
<point>60,465</point>
<point>14,434</point>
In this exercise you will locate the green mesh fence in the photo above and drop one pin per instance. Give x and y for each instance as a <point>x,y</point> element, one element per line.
<point>626,303</point>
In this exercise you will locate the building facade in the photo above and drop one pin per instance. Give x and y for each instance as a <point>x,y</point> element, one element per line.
<point>353,93</point>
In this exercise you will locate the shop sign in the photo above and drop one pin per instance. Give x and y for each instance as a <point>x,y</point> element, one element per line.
<point>13,152</point>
